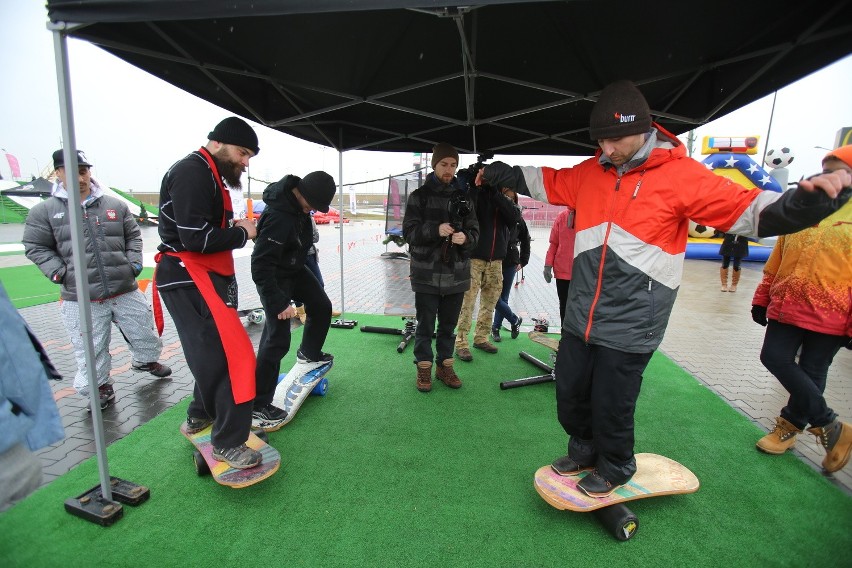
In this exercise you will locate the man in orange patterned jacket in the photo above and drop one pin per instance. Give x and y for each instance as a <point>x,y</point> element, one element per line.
<point>805,301</point>
<point>634,200</point>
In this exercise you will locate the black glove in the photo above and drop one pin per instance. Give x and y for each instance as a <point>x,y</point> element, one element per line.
<point>758,314</point>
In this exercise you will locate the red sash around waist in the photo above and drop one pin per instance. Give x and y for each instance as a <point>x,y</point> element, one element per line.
<point>239,350</point>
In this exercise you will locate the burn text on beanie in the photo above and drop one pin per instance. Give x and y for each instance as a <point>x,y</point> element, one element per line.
<point>621,110</point>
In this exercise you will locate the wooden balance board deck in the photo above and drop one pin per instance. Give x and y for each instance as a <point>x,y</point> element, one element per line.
<point>227,475</point>
<point>656,475</point>
<point>545,339</point>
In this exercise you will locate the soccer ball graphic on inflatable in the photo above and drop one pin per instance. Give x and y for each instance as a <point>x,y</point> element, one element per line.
<point>700,231</point>
<point>776,158</point>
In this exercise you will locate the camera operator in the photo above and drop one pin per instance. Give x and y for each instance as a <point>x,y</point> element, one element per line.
<point>497,214</point>
<point>441,231</point>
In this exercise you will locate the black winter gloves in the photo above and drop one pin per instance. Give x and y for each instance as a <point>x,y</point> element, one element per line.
<point>758,314</point>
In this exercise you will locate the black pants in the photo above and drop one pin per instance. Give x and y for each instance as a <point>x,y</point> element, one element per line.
<point>562,287</point>
<point>805,380</point>
<point>275,339</point>
<point>213,396</point>
<point>447,309</point>
<point>596,393</point>
<point>726,261</point>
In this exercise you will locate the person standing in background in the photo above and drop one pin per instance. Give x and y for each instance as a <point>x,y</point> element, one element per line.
<point>495,213</point>
<point>312,262</point>
<point>441,230</point>
<point>805,303</point>
<point>559,259</point>
<point>517,257</point>
<point>734,248</point>
<point>113,247</point>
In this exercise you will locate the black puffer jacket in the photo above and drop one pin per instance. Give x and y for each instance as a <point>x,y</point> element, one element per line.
<point>284,235</point>
<point>113,245</point>
<point>496,214</point>
<point>436,266</point>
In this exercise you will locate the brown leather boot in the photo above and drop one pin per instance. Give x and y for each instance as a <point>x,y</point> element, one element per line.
<point>836,438</point>
<point>424,376</point>
<point>447,375</point>
<point>781,439</point>
<point>735,279</point>
<point>723,274</point>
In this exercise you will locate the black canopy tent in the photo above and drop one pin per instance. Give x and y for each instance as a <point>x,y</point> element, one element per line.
<point>513,77</point>
<point>490,76</point>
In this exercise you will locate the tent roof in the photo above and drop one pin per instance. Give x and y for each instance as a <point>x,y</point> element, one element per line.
<point>508,77</point>
<point>38,187</point>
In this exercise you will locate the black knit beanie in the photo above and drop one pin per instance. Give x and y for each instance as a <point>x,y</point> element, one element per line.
<point>443,150</point>
<point>234,130</point>
<point>318,189</point>
<point>621,110</point>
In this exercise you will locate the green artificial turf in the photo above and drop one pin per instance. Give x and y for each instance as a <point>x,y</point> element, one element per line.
<point>378,474</point>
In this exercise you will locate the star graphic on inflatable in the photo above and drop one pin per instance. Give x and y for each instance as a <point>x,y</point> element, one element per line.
<point>752,168</point>
<point>765,179</point>
<point>731,162</point>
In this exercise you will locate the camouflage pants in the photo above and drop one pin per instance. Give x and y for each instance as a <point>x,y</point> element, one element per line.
<point>486,281</point>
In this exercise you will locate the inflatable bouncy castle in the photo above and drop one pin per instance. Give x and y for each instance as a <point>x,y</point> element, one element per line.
<point>731,157</point>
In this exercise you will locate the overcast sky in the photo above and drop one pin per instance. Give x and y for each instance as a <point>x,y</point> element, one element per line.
<point>133,126</point>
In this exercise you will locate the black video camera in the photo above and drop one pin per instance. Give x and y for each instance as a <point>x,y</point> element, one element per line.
<point>459,207</point>
<point>468,175</point>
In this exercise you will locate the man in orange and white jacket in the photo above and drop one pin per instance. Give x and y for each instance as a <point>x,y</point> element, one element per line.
<point>633,202</point>
<point>805,301</point>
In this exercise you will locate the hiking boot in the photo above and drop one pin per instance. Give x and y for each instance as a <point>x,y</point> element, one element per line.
<point>447,375</point>
<point>565,466</point>
<point>486,346</point>
<point>516,327</point>
<point>781,439</point>
<point>154,368</point>
<point>594,485</point>
<point>836,438</point>
<point>195,425</point>
<point>495,334</point>
<point>424,376</point>
<point>464,354</point>
<point>323,358</point>
<point>106,394</point>
<point>268,418</point>
<point>241,457</point>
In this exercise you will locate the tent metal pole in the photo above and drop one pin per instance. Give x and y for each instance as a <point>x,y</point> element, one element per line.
<point>66,112</point>
<point>340,219</point>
